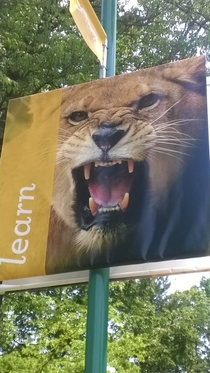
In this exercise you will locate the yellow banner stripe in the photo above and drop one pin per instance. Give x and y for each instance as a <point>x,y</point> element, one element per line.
<point>26,181</point>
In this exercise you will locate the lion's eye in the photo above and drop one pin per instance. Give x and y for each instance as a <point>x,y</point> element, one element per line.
<point>78,116</point>
<point>149,101</point>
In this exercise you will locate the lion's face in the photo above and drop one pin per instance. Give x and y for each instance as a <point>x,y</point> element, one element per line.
<point>118,138</point>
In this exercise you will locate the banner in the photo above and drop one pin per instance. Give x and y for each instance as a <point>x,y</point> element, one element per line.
<point>89,26</point>
<point>107,173</point>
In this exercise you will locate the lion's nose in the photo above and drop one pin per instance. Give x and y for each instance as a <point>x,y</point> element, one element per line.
<point>107,136</point>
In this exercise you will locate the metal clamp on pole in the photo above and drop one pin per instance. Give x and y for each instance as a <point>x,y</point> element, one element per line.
<point>102,71</point>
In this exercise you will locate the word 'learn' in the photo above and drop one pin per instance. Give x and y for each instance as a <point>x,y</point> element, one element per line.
<point>22,227</point>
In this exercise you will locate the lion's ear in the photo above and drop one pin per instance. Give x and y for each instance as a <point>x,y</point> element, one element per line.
<point>197,69</point>
<point>193,74</point>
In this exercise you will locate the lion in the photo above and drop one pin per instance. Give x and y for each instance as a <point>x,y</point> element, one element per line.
<point>127,146</point>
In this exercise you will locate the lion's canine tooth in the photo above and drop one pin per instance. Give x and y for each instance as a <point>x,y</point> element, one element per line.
<point>97,164</point>
<point>87,171</point>
<point>120,162</point>
<point>124,203</point>
<point>93,206</point>
<point>130,166</point>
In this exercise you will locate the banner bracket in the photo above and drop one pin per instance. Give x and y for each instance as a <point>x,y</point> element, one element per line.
<point>102,71</point>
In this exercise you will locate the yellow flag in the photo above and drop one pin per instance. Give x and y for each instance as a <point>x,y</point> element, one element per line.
<point>89,26</point>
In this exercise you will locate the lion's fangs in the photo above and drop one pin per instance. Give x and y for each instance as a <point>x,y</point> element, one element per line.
<point>124,203</point>
<point>87,166</point>
<point>94,207</point>
<point>130,166</point>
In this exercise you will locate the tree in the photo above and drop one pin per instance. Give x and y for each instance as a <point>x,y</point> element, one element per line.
<point>158,32</point>
<point>169,337</point>
<point>41,48</point>
<point>44,331</point>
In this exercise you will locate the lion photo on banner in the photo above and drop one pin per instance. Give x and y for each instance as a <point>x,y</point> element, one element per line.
<point>131,178</point>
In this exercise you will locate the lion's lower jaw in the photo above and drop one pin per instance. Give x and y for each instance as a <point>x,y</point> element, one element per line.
<point>99,239</point>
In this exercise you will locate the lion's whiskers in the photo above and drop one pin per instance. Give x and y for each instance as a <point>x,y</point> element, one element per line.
<point>169,152</point>
<point>152,158</point>
<point>174,141</point>
<point>180,138</point>
<point>168,126</point>
<point>62,171</point>
<point>182,135</point>
<point>60,159</point>
<point>175,122</point>
<point>63,138</point>
<point>177,102</point>
<point>168,135</point>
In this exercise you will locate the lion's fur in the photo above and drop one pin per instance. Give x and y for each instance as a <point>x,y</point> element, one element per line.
<point>175,123</point>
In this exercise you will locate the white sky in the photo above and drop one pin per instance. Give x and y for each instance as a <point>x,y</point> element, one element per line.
<point>186,281</point>
<point>129,3</point>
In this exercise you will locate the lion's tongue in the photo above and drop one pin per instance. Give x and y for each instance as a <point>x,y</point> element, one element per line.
<point>108,195</point>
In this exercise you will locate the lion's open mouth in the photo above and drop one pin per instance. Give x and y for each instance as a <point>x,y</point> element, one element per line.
<point>109,185</point>
<point>107,192</point>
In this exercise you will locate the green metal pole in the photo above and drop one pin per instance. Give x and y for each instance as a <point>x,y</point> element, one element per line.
<point>96,342</point>
<point>109,22</point>
<point>98,290</point>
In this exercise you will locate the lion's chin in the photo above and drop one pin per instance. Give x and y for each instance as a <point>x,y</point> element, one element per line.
<point>98,239</point>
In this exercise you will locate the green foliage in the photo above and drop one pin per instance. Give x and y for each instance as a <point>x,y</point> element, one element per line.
<point>41,49</point>
<point>158,32</point>
<point>44,331</point>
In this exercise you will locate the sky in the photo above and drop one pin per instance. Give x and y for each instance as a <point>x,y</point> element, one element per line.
<point>129,3</point>
<point>186,281</point>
